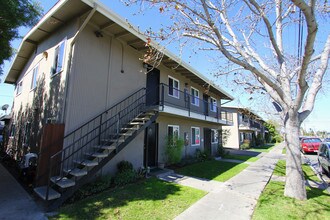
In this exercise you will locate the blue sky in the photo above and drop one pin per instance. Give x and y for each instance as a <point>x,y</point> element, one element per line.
<point>318,120</point>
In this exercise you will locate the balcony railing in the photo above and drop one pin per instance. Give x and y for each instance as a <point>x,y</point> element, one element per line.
<point>185,101</point>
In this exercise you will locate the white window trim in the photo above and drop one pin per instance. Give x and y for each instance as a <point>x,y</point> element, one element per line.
<point>216,104</point>
<point>192,144</point>
<point>215,132</point>
<point>17,86</point>
<point>35,86</point>
<point>63,59</point>
<point>193,96</point>
<point>174,79</point>
<point>174,126</point>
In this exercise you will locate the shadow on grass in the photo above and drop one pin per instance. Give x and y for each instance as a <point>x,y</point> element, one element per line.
<point>262,148</point>
<point>280,168</point>
<point>317,206</point>
<point>212,170</point>
<point>241,157</point>
<point>144,199</point>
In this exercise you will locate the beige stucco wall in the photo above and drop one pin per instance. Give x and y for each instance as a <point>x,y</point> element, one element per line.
<point>185,125</point>
<point>96,81</point>
<point>49,86</point>
<point>233,139</point>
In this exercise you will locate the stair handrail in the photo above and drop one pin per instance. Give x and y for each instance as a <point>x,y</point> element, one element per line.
<point>85,124</point>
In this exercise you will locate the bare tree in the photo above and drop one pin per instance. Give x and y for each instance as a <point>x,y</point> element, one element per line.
<point>254,36</point>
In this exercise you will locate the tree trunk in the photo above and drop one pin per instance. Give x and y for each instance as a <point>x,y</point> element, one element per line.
<point>295,181</point>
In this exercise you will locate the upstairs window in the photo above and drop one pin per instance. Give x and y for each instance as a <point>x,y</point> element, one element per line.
<point>194,96</point>
<point>213,105</point>
<point>34,77</point>
<point>19,87</point>
<point>173,89</point>
<point>58,58</point>
<point>195,136</point>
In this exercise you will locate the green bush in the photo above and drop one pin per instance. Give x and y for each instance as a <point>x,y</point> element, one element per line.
<point>173,149</point>
<point>98,185</point>
<point>259,141</point>
<point>202,155</point>
<point>125,177</point>
<point>245,145</point>
<point>124,165</point>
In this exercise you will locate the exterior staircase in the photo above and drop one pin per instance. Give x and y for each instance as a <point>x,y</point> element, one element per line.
<point>92,146</point>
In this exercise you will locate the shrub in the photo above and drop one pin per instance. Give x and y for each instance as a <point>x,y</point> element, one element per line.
<point>125,173</point>
<point>173,149</point>
<point>245,145</point>
<point>125,177</point>
<point>202,155</point>
<point>124,165</point>
<point>98,185</point>
<point>259,141</point>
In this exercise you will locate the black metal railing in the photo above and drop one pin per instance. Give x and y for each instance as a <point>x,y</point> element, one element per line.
<point>184,100</point>
<point>103,127</point>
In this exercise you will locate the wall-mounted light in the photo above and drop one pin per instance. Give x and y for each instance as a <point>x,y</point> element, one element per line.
<point>98,34</point>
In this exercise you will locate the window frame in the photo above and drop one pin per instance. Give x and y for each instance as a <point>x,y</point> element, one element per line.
<point>193,137</point>
<point>193,97</point>
<point>215,136</point>
<point>213,108</point>
<point>19,88</point>
<point>177,127</point>
<point>35,72</point>
<point>54,68</point>
<point>173,88</point>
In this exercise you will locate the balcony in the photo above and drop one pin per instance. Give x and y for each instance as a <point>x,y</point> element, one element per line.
<point>181,103</point>
<point>249,125</point>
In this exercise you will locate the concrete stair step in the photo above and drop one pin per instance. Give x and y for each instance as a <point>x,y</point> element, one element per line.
<point>86,163</point>
<point>106,147</point>
<point>42,191</point>
<point>62,182</point>
<point>97,154</point>
<point>76,172</point>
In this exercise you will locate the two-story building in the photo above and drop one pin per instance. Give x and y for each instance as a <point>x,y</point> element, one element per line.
<point>86,99</point>
<point>247,125</point>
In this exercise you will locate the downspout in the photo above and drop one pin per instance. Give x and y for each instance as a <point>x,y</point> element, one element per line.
<point>91,13</point>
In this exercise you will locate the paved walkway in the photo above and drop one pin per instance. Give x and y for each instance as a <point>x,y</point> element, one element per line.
<point>15,202</point>
<point>234,199</point>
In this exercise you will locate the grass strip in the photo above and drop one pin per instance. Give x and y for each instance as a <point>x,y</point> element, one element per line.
<point>213,170</point>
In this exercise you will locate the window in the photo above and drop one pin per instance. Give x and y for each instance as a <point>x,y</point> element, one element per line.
<point>214,136</point>
<point>19,87</point>
<point>195,136</point>
<point>213,105</point>
<point>34,77</point>
<point>58,58</point>
<point>194,96</point>
<point>173,89</point>
<point>173,131</point>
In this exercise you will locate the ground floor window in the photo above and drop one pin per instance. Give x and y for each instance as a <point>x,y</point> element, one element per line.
<point>195,136</point>
<point>173,131</point>
<point>214,136</point>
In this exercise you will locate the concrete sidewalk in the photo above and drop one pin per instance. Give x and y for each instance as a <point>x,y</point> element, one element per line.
<point>237,197</point>
<point>15,202</point>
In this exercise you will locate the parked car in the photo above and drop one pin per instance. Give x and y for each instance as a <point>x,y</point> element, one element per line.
<point>326,140</point>
<point>323,157</point>
<point>310,144</point>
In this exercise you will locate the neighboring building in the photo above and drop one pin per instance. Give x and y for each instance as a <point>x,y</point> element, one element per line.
<point>247,125</point>
<point>84,99</point>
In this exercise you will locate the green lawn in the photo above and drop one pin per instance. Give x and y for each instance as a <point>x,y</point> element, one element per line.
<point>272,204</point>
<point>308,172</point>
<point>148,199</point>
<point>263,148</point>
<point>279,169</point>
<point>212,170</point>
<point>284,150</point>
<point>241,157</point>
